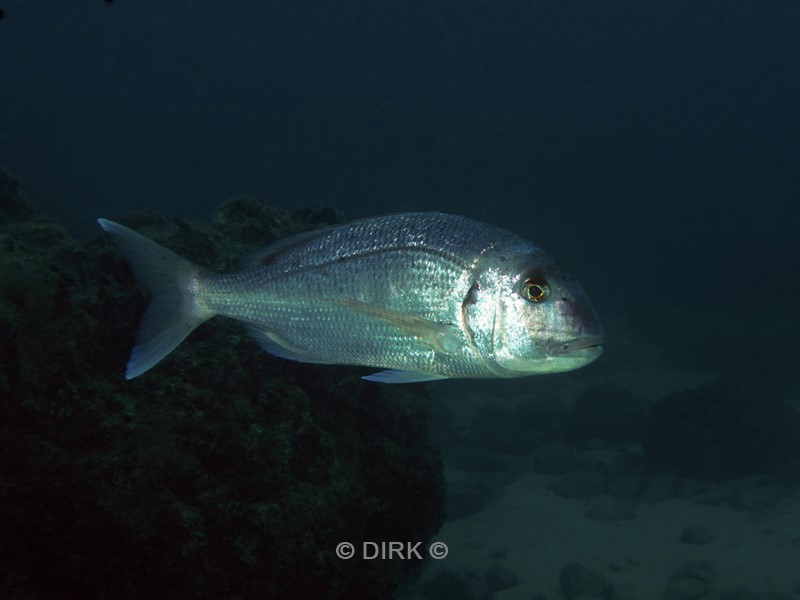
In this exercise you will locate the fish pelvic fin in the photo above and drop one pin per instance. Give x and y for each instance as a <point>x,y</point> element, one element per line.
<point>174,310</point>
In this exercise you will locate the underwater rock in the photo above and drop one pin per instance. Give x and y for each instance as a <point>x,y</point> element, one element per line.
<point>690,581</point>
<point>470,495</point>
<point>760,498</point>
<point>697,535</point>
<point>499,578</point>
<point>610,508</point>
<point>607,412</point>
<point>13,207</point>
<point>660,487</point>
<point>579,486</point>
<point>225,472</point>
<point>455,586</point>
<point>742,593</point>
<point>577,580</point>
<point>505,436</point>
<point>546,415</point>
<point>480,460</point>
<point>627,486</point>
<point>495,427</point>
<point>466,502</point>
<point>686,589</point>
<point>553,458</point>
<point>718,432</point>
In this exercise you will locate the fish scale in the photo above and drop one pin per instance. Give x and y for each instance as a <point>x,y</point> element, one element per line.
<point>423,295</point>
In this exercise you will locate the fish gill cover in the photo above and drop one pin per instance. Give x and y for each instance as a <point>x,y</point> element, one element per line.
<point>225,474</point>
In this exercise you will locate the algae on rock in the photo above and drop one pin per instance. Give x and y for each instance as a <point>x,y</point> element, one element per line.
<point>225,472</point>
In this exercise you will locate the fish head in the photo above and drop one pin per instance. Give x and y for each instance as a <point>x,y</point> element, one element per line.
<point>535,317</point>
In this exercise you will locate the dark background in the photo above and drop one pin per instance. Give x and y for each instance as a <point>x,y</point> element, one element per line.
<point>651,146</point>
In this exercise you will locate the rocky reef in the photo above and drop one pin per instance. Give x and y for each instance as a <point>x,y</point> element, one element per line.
<point>222,473</point>
<point>720,431</point>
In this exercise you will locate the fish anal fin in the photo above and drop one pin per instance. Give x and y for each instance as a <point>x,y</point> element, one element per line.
<point>397,376</point>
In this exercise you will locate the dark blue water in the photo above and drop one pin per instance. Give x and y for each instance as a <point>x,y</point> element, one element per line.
<point>679,110</point>
<point>654,147</point>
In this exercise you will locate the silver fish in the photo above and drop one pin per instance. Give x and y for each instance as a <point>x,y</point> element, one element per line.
<point>423,295</point>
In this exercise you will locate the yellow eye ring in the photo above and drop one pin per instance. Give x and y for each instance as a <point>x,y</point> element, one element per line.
<point>534,289</point>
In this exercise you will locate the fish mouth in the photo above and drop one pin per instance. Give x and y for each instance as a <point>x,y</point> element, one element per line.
<point>585,344</point>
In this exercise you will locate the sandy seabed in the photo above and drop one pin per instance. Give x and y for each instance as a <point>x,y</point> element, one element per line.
<point>533,533</point>
<point>538,532</point>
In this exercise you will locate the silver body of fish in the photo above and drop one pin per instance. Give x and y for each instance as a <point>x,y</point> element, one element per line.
<point>423,295</point>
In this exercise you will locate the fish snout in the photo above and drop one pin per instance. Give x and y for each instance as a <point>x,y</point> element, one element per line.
<point>586,343</point>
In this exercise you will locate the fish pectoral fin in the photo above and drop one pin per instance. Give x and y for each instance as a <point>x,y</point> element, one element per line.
<point>277,346</point>
<point>442,337</point>
<point>396,376</point>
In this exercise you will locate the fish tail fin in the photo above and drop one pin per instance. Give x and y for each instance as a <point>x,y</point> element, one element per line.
<point>174,311</point>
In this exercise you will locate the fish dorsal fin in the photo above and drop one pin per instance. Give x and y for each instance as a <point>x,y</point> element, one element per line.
<point>273,249</point>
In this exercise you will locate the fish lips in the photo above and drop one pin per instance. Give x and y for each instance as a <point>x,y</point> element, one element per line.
<point>589,346</point>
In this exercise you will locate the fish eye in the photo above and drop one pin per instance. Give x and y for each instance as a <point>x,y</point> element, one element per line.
<point>534,289</point>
